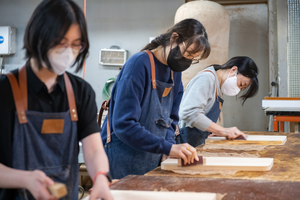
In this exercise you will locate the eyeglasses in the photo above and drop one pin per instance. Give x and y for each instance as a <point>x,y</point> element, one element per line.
<point>76,48</point>
<point>193,59</point>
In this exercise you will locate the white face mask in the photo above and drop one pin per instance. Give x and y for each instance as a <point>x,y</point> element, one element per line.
<point>230,87</point>
<point>61,61</point>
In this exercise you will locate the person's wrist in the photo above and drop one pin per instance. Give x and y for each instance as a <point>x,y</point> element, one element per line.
<point>221,131</point>
<point>102,175</point>
<point>22,179</point>
<point>101,178</point>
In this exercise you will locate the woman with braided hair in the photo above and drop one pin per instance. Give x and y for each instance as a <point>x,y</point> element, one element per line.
<point>145,99</point>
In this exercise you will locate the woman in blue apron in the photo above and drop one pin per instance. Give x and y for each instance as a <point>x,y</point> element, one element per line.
<point>46,111</point>
<point>202,100</point>
<point>145,99</point>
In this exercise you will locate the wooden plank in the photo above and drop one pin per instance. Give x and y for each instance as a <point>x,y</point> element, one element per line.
<point>251,140</point>
<point>223,163</point>
<point>155,195</point>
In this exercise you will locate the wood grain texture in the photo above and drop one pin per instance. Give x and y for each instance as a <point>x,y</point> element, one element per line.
<point>231,188</point>
<point>223,163</point>
<point>251,140</point>
<point>285,167</point>
<point>155,195</point>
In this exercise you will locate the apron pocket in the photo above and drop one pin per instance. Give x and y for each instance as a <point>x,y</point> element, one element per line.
<point>166,123</point>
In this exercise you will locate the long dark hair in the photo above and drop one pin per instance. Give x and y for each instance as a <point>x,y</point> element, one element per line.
<point>246,67</point>
<point>48,25</point>
<point>190,31</point>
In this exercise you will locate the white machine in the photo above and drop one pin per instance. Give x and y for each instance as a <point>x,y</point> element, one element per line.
<point>7,40</point>
<point>112,57</point>
<point>7,44</point>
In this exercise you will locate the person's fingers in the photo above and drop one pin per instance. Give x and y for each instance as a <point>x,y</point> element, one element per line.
<point>194,154</point>
<point>230,135</point>
<point>211,135</point>
<point>183,156</point>
<point>186,150</point>
<point>186,155</point>
<point>46,195</point>
<point>92,195</point>
<point>48,181</point>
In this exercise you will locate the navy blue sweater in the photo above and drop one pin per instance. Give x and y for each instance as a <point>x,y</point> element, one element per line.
<point>127,100</point>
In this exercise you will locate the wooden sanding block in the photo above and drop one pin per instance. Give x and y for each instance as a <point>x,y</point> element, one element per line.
<point>200,162</point>
<point>58,190</point>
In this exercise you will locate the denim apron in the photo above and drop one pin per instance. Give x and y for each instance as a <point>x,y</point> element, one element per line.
<point>195,136</point>
<point>38,144</point>
<point>155,117</point>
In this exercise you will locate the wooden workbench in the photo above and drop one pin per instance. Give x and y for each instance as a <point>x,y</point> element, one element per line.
<point>231,188</point>
<point>286,161</point>
<point>282,182</point>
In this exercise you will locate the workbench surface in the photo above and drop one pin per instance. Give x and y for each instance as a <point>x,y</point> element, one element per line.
<point>286,165</point>
<point>231,188</point>
<point>282,182</point>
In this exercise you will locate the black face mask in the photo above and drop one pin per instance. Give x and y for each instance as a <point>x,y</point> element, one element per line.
<point>176,61</point>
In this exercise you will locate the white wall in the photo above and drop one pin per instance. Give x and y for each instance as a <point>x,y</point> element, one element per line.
<point>249,37</point>
<point>128,24</point>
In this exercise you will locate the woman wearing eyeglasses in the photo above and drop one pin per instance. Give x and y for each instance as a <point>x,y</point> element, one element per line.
<point>144,104</point>
<point>202,100</point>
<point>46,111</point>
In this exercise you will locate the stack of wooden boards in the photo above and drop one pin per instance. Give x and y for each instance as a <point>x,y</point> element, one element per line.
<point>231,163</point>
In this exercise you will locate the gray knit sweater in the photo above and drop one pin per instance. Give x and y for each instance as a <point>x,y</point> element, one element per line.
<point>198,98</point>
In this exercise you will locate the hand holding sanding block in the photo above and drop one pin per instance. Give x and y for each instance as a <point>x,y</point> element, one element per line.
<point>200,162</point>
<point>240,137</point>
<point>58,190</point>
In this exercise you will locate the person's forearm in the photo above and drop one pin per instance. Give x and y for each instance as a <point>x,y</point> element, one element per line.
<point>95,162</point>
<point>215,128</point>
<point>12,178</point>
<point>94,155</point>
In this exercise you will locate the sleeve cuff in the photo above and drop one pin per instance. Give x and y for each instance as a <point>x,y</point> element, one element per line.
<point>167,147</point>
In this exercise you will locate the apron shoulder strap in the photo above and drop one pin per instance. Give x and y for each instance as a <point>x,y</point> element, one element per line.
<point>23,86</point>
<point>152,68</point>
<point>105,106</point>
<point>71,98</point>
<point>18,94</point>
